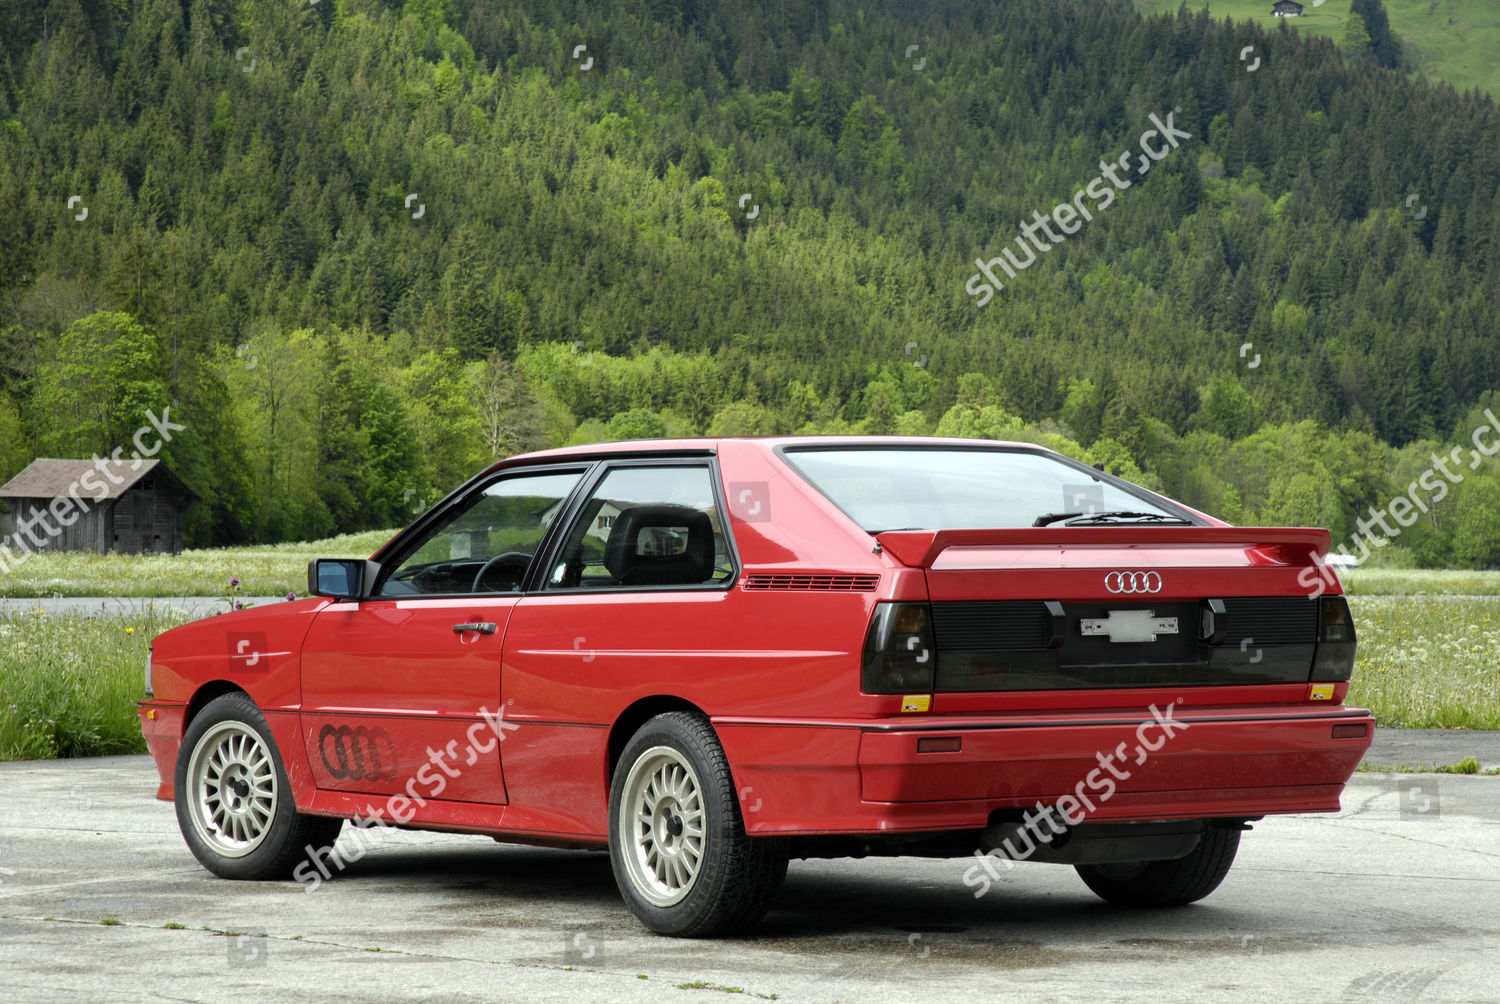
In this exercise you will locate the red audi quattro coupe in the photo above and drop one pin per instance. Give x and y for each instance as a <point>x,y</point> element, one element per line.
<point>711,656</point>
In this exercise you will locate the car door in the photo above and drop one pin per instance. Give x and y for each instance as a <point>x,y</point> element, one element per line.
<point>633,602</point>
<point>401,690</point>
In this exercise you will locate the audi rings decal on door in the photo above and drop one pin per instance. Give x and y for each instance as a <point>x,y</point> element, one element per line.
<point>1133,582</point>
<point>357,753</point>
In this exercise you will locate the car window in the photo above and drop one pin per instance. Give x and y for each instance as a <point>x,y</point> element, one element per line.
<point>487,541</point>
<point>646,526</point>
<point>899,488</point>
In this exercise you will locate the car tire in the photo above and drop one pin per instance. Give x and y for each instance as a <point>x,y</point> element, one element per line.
<point>677,841</point>
<point>1167,883</point>
<point>234,805</point>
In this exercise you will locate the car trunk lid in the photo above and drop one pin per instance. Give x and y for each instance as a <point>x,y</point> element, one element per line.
<point>1120,607</point>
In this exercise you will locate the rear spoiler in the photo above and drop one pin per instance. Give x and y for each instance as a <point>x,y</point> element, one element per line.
<point>920,548</point>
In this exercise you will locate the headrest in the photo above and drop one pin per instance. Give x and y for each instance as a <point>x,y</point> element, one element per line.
<point>693,563</point>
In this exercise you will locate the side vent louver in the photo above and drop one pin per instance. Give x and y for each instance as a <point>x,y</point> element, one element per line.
<point>818,583</point>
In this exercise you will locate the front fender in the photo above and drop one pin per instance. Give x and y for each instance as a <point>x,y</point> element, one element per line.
<point>257,651</point>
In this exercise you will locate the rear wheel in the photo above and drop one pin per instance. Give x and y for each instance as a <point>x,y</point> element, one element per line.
<point>1167,883</point>
<point>677,842</point>
<point>234,805</point>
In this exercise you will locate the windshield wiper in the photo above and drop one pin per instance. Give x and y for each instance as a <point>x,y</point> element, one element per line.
<point>1084,518</point>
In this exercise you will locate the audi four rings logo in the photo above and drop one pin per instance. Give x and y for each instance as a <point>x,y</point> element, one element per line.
<point>1133,582</point>
<point>357,753</point>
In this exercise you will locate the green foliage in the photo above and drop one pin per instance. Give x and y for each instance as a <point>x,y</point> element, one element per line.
<point>70,684</point>
<point>742,419</point>
<point>637,423</point>
<point>1117,460</point>
<point>1083,410</point>
<point>13,454</point>
<point>264,570</point>
<point>965,421</point>
<point>1476,530</point>
<point>415,237</point>
<point>1383,43</point>
<point>1355,40</point>
<point>97,392</point>
<point>1427,661</point>
<point>1227,406</point>
<point>1468,765</point>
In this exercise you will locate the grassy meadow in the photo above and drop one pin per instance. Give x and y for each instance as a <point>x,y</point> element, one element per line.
<point>1428,661</point>
<point>1418,582</point>
<point>263,570</point>
<point>68,685</point>
<point>1453,41</point>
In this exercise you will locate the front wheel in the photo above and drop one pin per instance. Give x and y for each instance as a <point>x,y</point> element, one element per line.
<point>1167,883</point>
<point>234,805</point>
<point>677,842</point>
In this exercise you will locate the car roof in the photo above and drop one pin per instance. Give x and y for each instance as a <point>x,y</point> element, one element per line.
<point>710,445</point>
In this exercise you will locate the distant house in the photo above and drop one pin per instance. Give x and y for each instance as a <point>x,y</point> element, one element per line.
<point>126,507</point>
<point>1286,8</point>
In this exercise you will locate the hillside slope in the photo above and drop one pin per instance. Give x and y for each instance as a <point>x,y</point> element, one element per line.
<point>1448,41</point>
<point>367,245</point>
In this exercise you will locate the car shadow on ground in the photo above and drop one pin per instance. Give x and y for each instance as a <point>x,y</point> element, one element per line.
<point>913,903</point>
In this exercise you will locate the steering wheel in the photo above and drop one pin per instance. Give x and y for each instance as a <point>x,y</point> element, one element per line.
<point>513,562</point>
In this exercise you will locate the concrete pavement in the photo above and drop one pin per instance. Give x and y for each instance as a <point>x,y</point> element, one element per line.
<point>1396,897</point>
<point>1416,748</point>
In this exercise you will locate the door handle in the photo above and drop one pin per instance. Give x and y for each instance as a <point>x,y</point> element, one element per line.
<point>483,627</point>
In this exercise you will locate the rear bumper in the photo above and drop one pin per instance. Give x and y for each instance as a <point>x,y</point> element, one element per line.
<point>934,774</point>
<point>161,724</point>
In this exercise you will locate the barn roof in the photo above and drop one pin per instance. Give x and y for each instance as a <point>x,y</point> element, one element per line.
<point>50,478</point>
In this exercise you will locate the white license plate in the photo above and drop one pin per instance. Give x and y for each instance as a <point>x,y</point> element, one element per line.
<point>1129,625</point>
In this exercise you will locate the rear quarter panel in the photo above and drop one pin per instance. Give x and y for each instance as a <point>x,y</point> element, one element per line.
<point>578,661</point>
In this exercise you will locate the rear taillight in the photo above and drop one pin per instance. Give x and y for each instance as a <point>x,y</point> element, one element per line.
<point>1334,660</point>
<point>899,656</point>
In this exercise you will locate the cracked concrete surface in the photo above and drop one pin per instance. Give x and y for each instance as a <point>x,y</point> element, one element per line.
<point>1394,898</point>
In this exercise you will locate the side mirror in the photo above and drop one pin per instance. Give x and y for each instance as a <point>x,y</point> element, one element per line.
<point>341,578</point>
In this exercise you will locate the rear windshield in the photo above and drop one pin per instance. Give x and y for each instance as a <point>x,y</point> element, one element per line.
<point>916,488</point>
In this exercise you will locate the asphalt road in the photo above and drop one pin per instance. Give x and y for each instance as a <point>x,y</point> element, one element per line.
<point>127,606</point>
<point>1395,898</point>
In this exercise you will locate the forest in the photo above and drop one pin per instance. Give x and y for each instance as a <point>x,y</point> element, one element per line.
<point>363,248</point>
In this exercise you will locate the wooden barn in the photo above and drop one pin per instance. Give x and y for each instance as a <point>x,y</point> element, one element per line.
<point>128,507</point>
<point>1286,8</point>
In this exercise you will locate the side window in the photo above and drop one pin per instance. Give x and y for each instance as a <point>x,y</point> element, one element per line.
<point>646,526</point>
<point>486,542</point>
